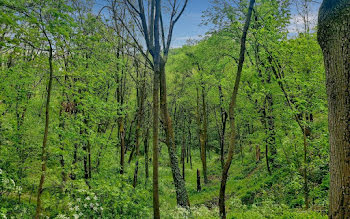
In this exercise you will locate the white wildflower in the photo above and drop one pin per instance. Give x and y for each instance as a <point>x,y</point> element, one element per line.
<point>88,198</point>
<point>76,216</point>
<point>0,171</point>
<point>95,208</point>
<point>91,205</point>
<point>95,198</point>
<point>85,205</point>
<point>101,208</point>
<point>77,208</point>
<point>78,199</point>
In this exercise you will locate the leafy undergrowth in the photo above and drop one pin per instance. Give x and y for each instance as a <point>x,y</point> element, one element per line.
<point>251,193</point>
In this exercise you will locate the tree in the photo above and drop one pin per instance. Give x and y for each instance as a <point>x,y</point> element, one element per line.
<point>231,112</point>
<point>334,39</point>
<point>158,47</point>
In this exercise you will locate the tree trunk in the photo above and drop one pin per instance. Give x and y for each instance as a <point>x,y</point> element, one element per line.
<point>306,188</point>
<point>201,136</point>
<point>183,149</point>
<point>156,213</point>
<point>122,144</point>
<point>205,137</point>
<point>62,161</point>
<point>46,133</point>
<point>135,174</point>
<point>334,38</point>
<point>199,188</point>
<point>145,142</point>
<point>189,144</point>
<point>223,117</point>
<point>181,193</point>
<point>231,113</point>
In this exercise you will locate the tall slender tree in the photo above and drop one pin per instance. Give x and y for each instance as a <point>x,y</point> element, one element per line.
<point>231,112</point>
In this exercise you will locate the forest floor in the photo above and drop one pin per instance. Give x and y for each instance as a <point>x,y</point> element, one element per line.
<point>250,193</point>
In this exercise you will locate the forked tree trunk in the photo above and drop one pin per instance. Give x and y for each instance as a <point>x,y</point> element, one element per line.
<point>334,38</point>
<point>231,113</point>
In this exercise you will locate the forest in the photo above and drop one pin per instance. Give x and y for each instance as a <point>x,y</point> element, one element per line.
<point>102,115</point>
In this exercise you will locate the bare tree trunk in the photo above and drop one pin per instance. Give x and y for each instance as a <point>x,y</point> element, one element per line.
<point>306,188</point>
<point>183,149</point>
<point>201,136</point>
<point>145,143</point>
<point>189,144</point>
<point>181,193</point>
<point>223,117</point>
<point>122,145</point>
<point>231,113</point>
<point>334,38</point>
<point>62,161</point>
<point>205,137</point>
<point>156,213</point>
<point>46,133</point>
<point>135,174</point>
<point>199,188</point>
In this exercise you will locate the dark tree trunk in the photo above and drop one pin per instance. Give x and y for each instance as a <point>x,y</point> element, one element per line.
<point>46,133</point>
<point>334,38</point>
<point>223,116</point>
<point>156,213</point>
<point>231,113</point>
<point>189,144</point>
<point>145,142</point>
<point>135,174</point>
<point>204,136</point>
<point>201,135</point>
<point>183,149</point>
<point>199,188</point>
<point>122,145</point>
<point>62,161</point>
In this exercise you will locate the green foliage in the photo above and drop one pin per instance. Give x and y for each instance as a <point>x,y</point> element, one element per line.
<point>98,73</point>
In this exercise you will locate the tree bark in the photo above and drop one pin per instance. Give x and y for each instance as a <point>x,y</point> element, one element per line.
<point>122,145</point>
<point>145,143</point>
<point>223,117</point>
<point>181,193</point>
<point>199,188</point>
<point>201,136</point>
<point>46,133</point>
<point>156,213</point>
<point>231,112</point>
<point>204,136</point>
<point>183,149</point>
<point>334,39</point>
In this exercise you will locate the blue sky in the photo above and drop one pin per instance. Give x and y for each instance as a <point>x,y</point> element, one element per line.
<point>189,26</point>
